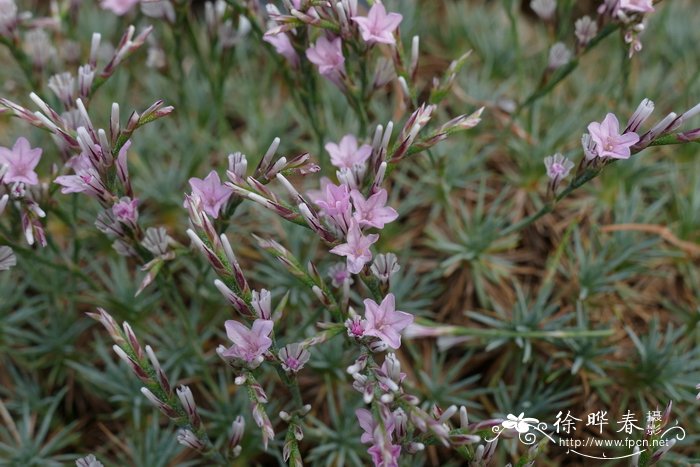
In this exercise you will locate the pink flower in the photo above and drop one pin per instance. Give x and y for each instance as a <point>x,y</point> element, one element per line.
<point>212,192</point>
<point>118,7</point>
<point>21,161</point>
<point>557,167</point>
<point>382,451</point>
<point>378,25</point>
<point>640,6</point>
<point>126,210</point>
<point>294,357</point>
<point>608,140</point>
<point>355,326</point>
<point>327,56</point>
<point>248,344</point>
<point>369,425</point>
<point>385,322</point>
<point>356,250</point>
<point>86,178</point>
<point>283,46</point>
<point>372,212</point>
<point>336,201</point>
<point>346,153</point>
<point>386,456</point>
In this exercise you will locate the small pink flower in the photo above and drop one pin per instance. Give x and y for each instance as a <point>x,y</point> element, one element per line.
<point>639,6</point>
<point>213,194</point>
<point>283,46</point>
<point>356,250</point>
<point>327,56</point>
<point>373,212</point>
<point>294,357</point>
<point>355,326</point>
<point>119,7</point>
<point>385,456</point>
<point>126,210</point>
<point>385,322</point>
<point>369,425</point>
<point>21,161</point>
<point>346,153</point>
<point>608,140</point>
<point>378,25</point>
<point>336,201</point>
<point>248,344</point>
<point>557,167</point>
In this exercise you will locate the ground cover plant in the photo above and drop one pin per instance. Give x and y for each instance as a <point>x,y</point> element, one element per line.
<point>316,232</point>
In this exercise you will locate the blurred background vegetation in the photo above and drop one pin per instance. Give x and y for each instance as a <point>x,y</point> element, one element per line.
<point>68,396</point>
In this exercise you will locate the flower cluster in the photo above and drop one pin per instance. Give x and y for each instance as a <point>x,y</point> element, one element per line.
<point>606,142</point>
<point>20,187</point>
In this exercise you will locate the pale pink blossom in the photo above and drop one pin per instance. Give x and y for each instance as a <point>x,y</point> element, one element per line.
<point>385,322</point>
<point>327,56</point>
<point>356,326</point>
<point>608,140</point>
<point>346,154</point>
<point>637,6</point>
<point>126,210</point>
<point>336,201</point>
<point>382,451</point>
<point>369,425</point>
<point>357,249</point>
<point>294,357</point>
<point>85,180</point>
<point>386,455</point>
<point>378,25</point>
<point>373,212</point>
<point>339,275</point>
<point>21,161</point>
<point>119,7</point>
<point>557,167</point>
<point>213,194</point>
<point>248,344</point>
<point>283,46</point>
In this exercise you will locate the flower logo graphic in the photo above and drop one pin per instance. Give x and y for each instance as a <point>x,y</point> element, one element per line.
<point>519,423</point>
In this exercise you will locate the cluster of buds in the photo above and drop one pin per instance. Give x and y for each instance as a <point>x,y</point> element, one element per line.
<point>96,158</point>
<point>178,405</point>
<point>217,250</point>
<point>630,14</point>
<point>402,423</point>
<point>258,400</point>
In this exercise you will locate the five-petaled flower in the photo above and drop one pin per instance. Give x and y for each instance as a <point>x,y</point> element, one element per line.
<point>385,322</point>
<point>521,424</point>
<point>356,249</point>
<point>373,212</point>
<point>327,56</point>
<point>21,161</point>
<point>608,140</point>
<point>213,194</point>
<point>558,167</point>
<point>346,154</point>
<point>336,201</point>
<point>378,25</point>
<point>126,209</point>
<point>248,344</point>
<point>293,357</point>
